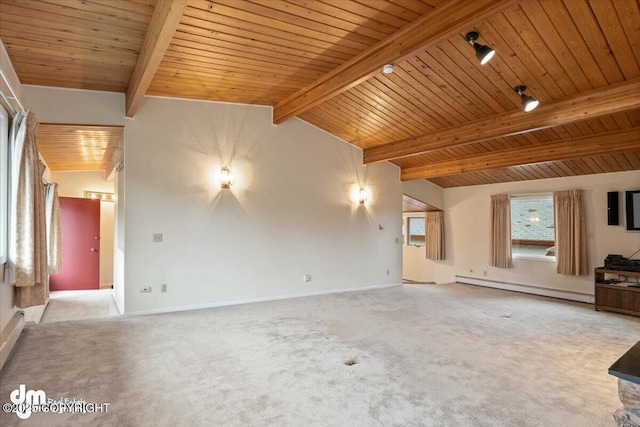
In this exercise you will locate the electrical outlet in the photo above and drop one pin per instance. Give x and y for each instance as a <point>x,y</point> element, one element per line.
<point>164,288</point>
<point>388,271</point>
<point>306,278</point>
<point>397,240</point>
<point>485,272</point>
<point>145,290</point>
<point>157,237</point>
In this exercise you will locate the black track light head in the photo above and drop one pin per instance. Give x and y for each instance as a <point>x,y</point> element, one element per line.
<point>483,52</point>
<point>529,103</point>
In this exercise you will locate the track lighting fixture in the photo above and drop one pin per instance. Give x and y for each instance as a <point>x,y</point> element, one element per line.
<point>529,103</point>
<point>483,52</point>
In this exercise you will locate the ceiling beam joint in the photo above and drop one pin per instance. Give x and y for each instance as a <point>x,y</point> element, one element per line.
<point>164,22</point>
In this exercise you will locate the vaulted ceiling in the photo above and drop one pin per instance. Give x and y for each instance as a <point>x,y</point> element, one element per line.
<point>440,115</point>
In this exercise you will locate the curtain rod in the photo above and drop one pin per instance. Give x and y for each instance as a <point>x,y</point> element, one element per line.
<point>13,94</point>
<point>542,194</point>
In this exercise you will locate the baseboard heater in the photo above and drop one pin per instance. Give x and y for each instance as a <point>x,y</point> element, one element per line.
<point>9,336</point>
<point>34,314</point>
<point>527,289</point>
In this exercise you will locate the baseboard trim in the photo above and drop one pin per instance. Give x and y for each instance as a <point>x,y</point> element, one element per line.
<point>9,336</point>
<point>34,314</point>
<point>254,300</point>
<point>526,289</point>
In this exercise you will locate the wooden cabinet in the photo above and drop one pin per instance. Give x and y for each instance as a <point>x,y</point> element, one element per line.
<point>618,297</point>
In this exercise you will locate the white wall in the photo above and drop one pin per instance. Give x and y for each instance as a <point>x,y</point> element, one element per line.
<point>425,191</point>
<point>85,107</point>
<point>118,270</point>
<point>288,214</point>
<point>7,69</point>
<point>7,292</point>
<point>74,184</point>
<point>74,106</point>
<point>467,231</point>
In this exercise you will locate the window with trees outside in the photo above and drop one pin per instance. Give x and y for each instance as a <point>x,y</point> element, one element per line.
<point>532,227</point>
<point>416,235</point>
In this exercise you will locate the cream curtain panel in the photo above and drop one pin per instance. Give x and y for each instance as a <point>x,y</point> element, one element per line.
<point>435,235</point>
<point>29,241</point>
<point>500,254</point>
<point>54,233</point>
<point>571,233</point>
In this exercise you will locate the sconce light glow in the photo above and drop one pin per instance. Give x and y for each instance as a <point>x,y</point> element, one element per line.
<point>363,195</point>
<point>226,178</point>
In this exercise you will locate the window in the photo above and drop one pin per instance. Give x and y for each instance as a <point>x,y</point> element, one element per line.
<point>4,183</point>
<point>532,227</point>
<point>415,231</point>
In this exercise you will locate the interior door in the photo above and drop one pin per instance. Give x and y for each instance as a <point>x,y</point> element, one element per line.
<point>80,223</point>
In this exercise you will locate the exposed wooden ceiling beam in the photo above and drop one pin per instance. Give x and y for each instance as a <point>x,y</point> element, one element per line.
<point>593,145</point>
<point>439,24</point>
<point>586,105</point>
<point>164,21</point>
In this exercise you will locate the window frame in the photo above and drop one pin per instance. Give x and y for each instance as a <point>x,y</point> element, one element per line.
<point>408,237</point>
<point>532,197</point>
<point>4,185</point>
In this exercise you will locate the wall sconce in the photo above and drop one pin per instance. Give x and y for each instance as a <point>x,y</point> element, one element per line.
<point>529,103</point>
<point>483,52</point>
<point>226,178</point>
<point>363,195</point>
<point>95,195</point>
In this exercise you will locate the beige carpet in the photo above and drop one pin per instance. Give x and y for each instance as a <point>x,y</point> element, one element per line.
<point>78,305</point>
<point>444,355</point>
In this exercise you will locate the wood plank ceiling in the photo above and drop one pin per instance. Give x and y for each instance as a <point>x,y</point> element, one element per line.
<point>409,204</point>
<point>441,115</point>
<point>78,147</point>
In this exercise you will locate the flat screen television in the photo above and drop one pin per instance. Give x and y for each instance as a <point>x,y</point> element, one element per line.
<point>632,202</point>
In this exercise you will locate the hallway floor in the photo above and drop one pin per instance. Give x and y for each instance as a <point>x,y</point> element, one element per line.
<point>79,305</point>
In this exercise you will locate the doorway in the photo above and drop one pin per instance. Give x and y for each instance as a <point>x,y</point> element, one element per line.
<point>83,288</point>
<point>82,160</point>
<point>415,268</point>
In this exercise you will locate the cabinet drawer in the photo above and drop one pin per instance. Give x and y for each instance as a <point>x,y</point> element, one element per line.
<point>618,298</point>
